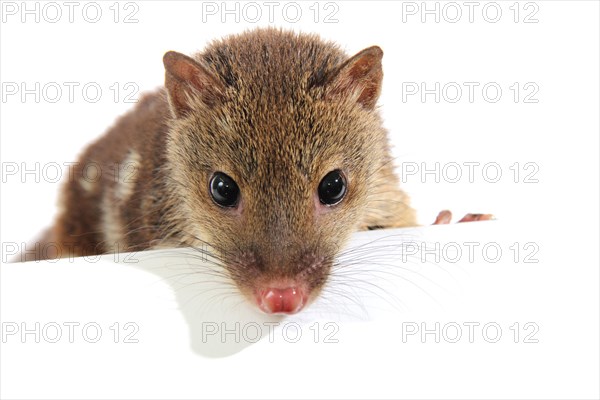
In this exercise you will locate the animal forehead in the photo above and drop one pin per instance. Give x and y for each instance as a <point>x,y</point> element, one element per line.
<point>282,164</point>
<point>273,143</point>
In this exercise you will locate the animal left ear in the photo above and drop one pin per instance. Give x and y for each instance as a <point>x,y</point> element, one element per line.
<point>186,78</point>
<point>359,76</point>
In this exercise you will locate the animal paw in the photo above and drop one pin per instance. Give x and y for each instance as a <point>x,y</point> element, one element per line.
<point>445,216</point>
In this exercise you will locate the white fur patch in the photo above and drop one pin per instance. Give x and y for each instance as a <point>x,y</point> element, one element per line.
<point>86,184</point>
<point>127,178</point>
<point>111,224</point>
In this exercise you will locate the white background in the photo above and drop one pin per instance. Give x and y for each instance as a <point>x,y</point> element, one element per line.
<point>558,135</point>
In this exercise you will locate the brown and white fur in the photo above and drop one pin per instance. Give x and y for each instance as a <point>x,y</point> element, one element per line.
<point>274,110</point>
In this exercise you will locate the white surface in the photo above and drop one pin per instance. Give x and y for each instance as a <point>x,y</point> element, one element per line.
<point>558,136</point>
<point>370,353</point>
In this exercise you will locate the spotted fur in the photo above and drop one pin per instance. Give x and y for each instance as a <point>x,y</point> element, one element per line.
<point>276,111</point>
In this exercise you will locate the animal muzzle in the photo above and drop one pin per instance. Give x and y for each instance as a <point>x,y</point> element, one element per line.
<point>281,300</point>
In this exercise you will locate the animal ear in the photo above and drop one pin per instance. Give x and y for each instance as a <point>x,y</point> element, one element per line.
<point>185,79</point>
<point>359,76</point>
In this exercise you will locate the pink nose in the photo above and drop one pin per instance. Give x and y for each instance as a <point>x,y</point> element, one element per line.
<point>281,301</point>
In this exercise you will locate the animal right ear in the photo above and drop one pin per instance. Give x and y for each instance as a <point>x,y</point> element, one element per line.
<point>185,80</point>
<point>360,76</point>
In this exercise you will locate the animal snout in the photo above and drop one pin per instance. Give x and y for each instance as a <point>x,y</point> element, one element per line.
<point>277,300</point>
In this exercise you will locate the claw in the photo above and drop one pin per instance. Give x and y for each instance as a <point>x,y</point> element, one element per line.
<point>445,216</point>
<point>477,217</point>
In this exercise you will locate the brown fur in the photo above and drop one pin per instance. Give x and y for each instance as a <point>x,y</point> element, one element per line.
<point>274,110</point>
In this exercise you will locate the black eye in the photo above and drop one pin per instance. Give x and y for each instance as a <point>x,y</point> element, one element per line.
<point>332,188</point>
<point>224,190</point>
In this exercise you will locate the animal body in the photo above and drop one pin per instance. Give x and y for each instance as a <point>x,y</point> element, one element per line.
<point>267,147</point>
